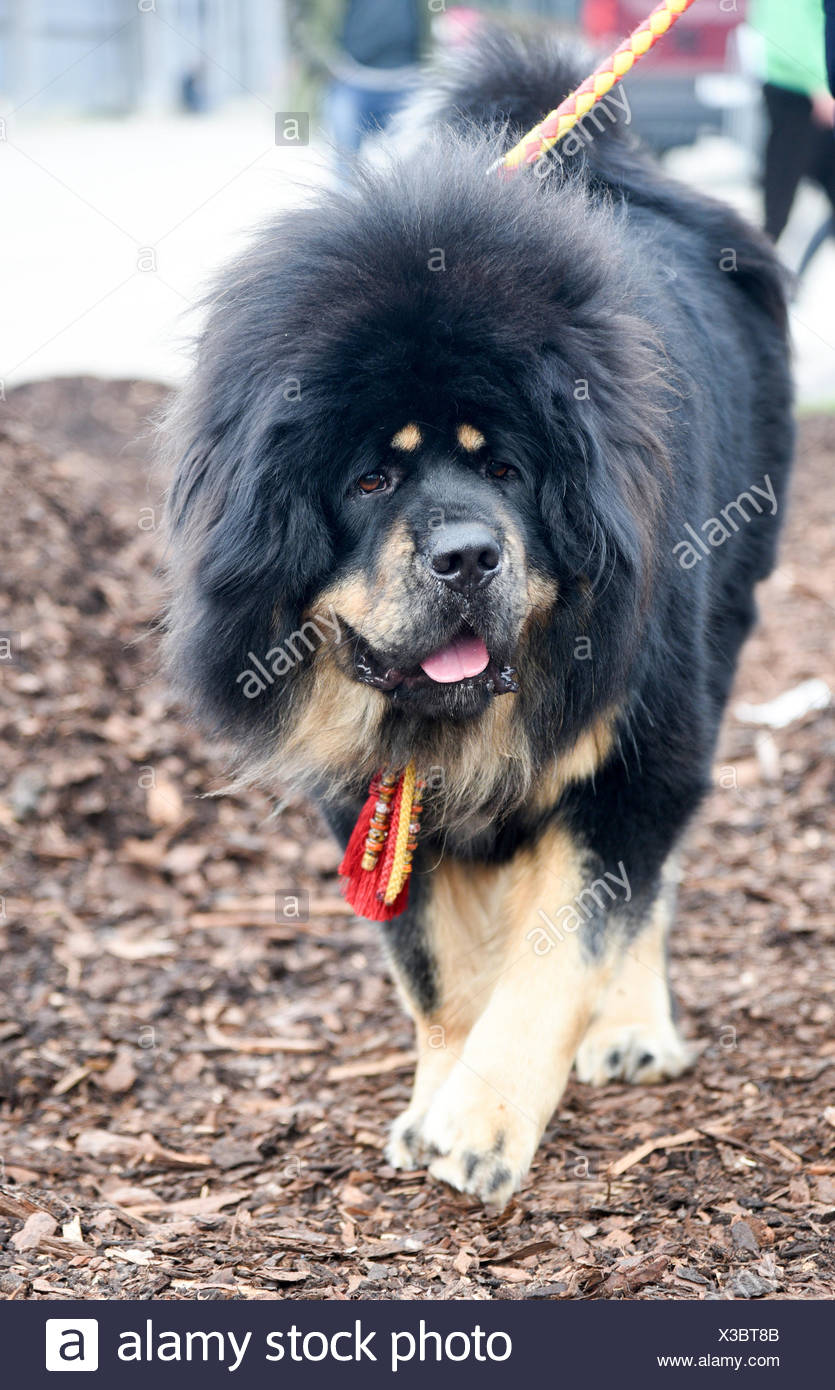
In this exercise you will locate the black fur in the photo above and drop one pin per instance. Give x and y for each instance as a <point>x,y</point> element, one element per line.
<point>585,323</point>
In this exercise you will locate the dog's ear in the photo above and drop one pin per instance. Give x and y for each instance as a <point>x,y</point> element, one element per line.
<point>595,505</point>
<point>248,543</point>
<point>602,481</point>
<point>247,519</point>
<point>605,425</point>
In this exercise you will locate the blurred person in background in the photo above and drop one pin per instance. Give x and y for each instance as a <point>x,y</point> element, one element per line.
<point>799,107</point>
<point>193,93</point>
<point>380,44</point>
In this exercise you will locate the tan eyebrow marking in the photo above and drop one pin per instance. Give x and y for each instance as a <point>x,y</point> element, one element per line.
<point>408,439</point>
<point>470,438</point>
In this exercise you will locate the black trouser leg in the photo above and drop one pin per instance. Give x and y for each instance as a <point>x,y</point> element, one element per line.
<point>788,152</point>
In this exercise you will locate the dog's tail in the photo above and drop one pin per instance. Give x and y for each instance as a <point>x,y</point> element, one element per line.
<point>500,82</point>
<point>503,82</point>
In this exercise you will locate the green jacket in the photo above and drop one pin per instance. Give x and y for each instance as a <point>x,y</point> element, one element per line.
<point>794,45</point>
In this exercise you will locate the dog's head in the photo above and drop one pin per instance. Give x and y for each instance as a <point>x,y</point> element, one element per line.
<point>418,455</point>
<point>437,581</point>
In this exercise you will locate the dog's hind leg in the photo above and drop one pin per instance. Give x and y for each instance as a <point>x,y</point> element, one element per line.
<point>632,1035</point>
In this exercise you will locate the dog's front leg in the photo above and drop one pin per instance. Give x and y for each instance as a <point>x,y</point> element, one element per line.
<point>447,952</point>
<point>485,1121</point>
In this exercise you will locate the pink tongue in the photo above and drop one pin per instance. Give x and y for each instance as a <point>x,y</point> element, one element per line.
<point>465,657</point>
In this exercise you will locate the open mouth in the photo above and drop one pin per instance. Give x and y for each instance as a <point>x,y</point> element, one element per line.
<point>462,662</point>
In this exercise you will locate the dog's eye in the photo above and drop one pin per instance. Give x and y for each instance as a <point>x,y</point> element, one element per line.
<point>500,470</point>
<point>372,482</point>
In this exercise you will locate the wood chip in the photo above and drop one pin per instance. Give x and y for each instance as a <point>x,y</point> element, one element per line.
<point>163,801</point>
<point>536,1247</point>
<point>71,1230</point>
<point>192,1206</point>
<point>142,1147</point>
<point>790,1156</point>
<point>147,948</point>
<point>264,1046</point>
<point>666,1141</point>
<point>396,1061</point>
<point>33,1231</point>
<point>120,1075</point>
<point>71,1079</point>
<point>628,1279</point>
<point>130,1255</point>
<point>509,1275</point>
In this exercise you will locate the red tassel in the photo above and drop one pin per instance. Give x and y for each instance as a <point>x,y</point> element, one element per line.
<point>356,845</point>
<point>364,888</point>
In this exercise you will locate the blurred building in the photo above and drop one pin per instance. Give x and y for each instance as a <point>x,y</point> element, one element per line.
<point>124,55</point>
<point>100,56</point>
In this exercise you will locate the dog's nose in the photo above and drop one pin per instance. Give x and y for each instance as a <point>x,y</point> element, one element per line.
<point>465,555</point>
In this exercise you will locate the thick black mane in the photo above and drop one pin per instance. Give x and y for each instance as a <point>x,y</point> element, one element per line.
<point>621,334</point>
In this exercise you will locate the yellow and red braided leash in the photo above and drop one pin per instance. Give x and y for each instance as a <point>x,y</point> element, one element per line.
<point>558,122</point>
<point>378,860</point>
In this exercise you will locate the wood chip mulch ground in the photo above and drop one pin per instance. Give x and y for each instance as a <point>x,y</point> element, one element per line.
<point>194,1097</point>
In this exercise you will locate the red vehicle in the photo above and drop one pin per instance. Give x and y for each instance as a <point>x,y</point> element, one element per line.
<point>678,92</point>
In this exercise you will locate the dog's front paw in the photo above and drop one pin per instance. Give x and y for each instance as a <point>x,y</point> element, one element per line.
<point>477,1141</point>
<point>641,1053</point>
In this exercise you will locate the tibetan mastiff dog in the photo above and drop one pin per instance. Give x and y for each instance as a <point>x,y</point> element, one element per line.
<point>480,470</point>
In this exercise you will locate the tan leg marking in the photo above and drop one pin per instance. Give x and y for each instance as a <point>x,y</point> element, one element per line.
<point>465,938</point>
<point>529,1013</point>
<point>438,1048</point>
<point>632,1036</point>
